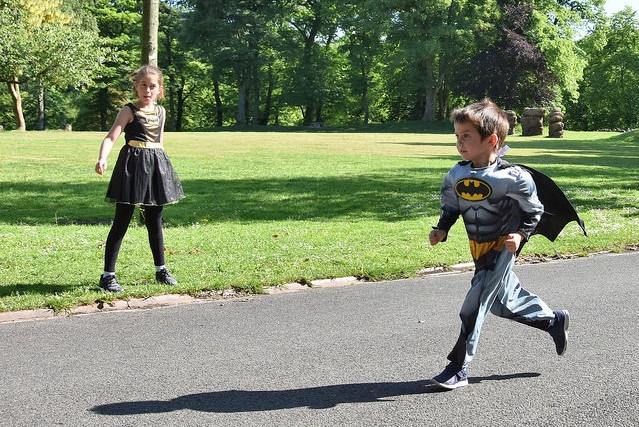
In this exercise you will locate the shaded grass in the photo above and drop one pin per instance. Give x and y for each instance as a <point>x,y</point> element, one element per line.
<point>272,208</point>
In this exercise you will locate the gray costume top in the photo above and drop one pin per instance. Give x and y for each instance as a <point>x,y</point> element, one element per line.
<point>494,201</point>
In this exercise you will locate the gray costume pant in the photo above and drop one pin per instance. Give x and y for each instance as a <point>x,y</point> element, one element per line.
<point>498,290</point>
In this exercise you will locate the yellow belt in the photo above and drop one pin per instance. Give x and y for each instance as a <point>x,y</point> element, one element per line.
<point>478,250</point>
<point>144,144</point>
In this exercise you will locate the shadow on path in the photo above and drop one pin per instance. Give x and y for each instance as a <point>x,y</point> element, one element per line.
<point>230,401</point>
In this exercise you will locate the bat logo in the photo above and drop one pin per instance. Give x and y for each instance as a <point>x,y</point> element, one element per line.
<point>153,119</point>
<point>472,189</point>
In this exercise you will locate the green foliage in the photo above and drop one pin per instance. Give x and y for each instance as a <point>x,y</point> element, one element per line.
<point>44,44</point>
<point>555,38</point>
<point>611,83</point>
<point>119,25</point>
<point>290,63</point>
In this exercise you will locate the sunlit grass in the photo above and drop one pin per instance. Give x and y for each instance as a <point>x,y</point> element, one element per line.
<point>268,208</point>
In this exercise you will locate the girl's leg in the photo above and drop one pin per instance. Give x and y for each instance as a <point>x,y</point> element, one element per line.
<point>153,221</point>
<point>123,215</point>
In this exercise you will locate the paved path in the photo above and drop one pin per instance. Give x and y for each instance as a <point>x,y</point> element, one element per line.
<point>356,355</point>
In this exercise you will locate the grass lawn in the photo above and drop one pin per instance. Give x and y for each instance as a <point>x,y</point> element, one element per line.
<point>268,208</point>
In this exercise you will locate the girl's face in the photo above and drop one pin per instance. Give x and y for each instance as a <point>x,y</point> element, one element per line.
<point>472,147</point>
<point>148,88</point>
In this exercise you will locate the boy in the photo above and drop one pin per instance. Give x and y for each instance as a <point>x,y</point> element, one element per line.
<point>500,208</point>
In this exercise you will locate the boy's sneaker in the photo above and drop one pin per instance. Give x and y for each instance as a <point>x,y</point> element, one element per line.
<point>559,331</point>
<point>163,276</point>
<point>451,378</point>
<point>109,283</point>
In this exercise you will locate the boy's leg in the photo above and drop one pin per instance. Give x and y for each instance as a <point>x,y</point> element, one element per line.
<point>485,287</point>
<point>517,304</point>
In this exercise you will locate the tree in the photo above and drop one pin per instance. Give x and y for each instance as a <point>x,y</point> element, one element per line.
<point>610,89</point>
<point>119,25</point>
<point>365,28</point>
<point>311,27</point>
<point>511,70</point>
<point>40,41</point>
<point>185,75</point>
<point>429,41</point>
<point>150,24</point>
<point>528,55</point>
<point>231,35</point>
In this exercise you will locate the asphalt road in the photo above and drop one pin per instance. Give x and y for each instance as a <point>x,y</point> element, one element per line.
<point>357,355</point>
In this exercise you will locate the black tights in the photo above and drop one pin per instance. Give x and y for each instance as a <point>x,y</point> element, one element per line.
<point>123,215</point>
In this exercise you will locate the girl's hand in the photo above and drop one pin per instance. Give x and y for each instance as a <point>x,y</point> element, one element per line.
<point>513,241</point>
<point>437,236</point>
<point>101,167</point>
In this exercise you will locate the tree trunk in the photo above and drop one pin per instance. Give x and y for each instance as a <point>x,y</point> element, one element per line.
<point>150,24</point>
<point>365,103</point>
<point>219,119</point>
<point>241,103</point>
<point>442,98</point>
<point>103,107</point>
<point>171,121</point>
<point>308,115</point>
<point>14,89</point>
<point>431,106</point>
<point>255,101</point>
<point>268,104</point>
<point>40,123</point>
<point>180,108</point>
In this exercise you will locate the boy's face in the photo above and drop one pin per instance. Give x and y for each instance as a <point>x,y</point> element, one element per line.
<point>472,147</point>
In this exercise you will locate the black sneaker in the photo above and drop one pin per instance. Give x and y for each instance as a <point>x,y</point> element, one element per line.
<point>109,283</point>
<point>451,378</point>
<point>559,331</point>
<point>163,276</point>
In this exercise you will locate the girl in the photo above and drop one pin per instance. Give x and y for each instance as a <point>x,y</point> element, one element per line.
<point>143,174</point>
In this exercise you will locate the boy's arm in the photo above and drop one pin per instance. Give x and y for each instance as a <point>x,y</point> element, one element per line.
<point>449,212</point>
<point>437,236</point>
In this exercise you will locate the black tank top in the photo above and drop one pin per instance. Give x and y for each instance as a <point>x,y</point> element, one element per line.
<point>145,126</point>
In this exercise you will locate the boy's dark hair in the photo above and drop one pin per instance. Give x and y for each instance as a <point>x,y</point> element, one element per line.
<point>487,117</point>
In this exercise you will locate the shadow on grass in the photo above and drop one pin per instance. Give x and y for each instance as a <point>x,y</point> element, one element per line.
<point>35,289</point>
<point>438,127</point>
<point>391,195</point>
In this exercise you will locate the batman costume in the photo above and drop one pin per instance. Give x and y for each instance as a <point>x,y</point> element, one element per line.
<point>495,201</point>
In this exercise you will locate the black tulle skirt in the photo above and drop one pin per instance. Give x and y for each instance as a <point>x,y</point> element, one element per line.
<point>144,176</point>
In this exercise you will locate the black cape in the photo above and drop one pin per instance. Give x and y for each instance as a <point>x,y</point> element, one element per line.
<point>558,211</point>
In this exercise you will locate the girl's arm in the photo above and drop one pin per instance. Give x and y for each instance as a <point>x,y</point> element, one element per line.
<point>125,115</point>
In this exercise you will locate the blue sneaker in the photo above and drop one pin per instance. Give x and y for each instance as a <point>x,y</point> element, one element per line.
<point>451,378</point>
<point>559,331</point>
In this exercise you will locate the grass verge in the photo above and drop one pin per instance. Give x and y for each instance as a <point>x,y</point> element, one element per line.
<point>269,208</point>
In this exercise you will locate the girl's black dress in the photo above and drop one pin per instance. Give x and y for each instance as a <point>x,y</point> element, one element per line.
<point>143,174</point>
